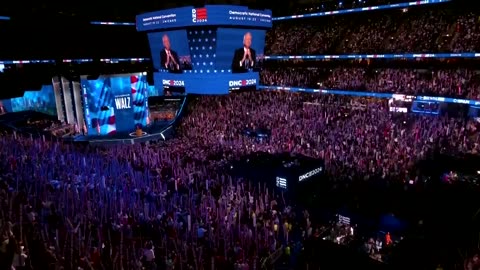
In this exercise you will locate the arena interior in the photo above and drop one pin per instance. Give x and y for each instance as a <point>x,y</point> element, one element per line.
<point>319,134</point>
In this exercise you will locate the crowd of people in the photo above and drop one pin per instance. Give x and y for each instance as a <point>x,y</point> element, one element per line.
<point>462,83</point>
<point>171,205</point>
<point>131,208</point>
<point>393,31</point>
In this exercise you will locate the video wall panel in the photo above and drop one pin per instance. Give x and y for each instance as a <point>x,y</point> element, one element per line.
<point>115,103</point>
<point>42,100</point>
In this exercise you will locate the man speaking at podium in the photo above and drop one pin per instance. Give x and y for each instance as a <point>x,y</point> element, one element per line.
<point>168,57</point>
<point>244,58</point>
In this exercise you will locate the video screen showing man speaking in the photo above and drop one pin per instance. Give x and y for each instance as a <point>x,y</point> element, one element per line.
<point>169,58</point>
<point>245,57</point>
<point>170,50</point>
<point>239,50</point>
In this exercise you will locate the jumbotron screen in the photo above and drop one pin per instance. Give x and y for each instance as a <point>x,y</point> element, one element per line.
<point>115,103</point>
<point>204,49</point>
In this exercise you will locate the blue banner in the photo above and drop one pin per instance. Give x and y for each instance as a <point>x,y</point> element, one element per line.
<point>375,56</point>
<point>362,9</point>
<point>208,15</point>
<point>115,103</point>
<point>206,82</point>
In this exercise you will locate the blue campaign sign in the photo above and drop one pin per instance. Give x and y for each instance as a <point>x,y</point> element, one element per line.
<point>208,15</point>
<point>206,83</point>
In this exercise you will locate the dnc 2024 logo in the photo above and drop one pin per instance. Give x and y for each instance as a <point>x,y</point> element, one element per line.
<point>199,15</point>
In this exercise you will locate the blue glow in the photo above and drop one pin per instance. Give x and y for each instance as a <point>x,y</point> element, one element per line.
<point>42,100</point>
<point>4,18</point>
<point>198,49</point>
<point>205,83</point>
<point>179,45</point>
<point>229,40</point>
<point>115,103</point>
<point>210,15</point>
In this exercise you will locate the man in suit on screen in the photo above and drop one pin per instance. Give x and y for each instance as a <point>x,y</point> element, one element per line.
<point>245,57</point>
<point>168,57</point>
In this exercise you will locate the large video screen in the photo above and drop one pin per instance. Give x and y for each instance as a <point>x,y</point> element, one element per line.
<point>115,103</point>
<point>232,44</point>
<point>170,50</point>
<point>42,101</point>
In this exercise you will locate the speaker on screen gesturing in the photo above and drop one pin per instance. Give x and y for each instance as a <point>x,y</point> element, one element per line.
<point>168,57</point>
<point>245,57</point>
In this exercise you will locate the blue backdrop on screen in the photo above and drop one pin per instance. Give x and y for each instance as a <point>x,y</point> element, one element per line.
<point>231,39</point>
<point>140,93</point>
<point>178,42</point>
<point>152,91</point>
<point>42,100</point>
<point>115,103</point>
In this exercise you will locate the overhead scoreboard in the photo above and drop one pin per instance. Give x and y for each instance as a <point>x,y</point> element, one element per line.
<point>195,50</point>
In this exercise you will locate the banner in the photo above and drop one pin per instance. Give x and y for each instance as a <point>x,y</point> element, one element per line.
<point>208,15</point>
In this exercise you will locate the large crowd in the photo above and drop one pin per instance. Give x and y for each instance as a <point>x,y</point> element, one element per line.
<point>171,206</point>
<point>331,6</point>
<point>462,83</point>
<point>416,31</point>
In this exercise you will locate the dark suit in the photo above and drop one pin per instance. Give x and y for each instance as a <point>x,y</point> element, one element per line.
<point>237,58</point>
<point>163,60</point>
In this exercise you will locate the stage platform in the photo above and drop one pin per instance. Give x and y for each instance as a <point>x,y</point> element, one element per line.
<point>152,133</point>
